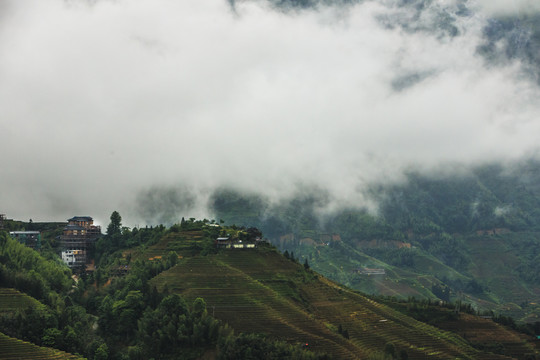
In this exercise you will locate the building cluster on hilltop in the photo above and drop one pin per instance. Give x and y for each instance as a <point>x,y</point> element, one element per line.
<point>32,239</point>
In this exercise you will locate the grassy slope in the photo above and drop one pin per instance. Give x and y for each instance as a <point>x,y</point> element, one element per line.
<point>15,349</point>
<point>261,291</point>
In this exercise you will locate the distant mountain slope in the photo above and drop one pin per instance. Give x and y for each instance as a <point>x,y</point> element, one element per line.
<point>474,231</point>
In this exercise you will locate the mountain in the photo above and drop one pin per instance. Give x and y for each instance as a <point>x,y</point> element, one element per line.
<point>177,296</point>
<point>258,290</point>
<point>473,232</point>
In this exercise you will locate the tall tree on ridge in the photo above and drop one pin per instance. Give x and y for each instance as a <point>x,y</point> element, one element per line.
<point>115,226</point>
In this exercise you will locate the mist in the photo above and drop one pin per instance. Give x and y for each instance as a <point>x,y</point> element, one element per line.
<point>147,106</point>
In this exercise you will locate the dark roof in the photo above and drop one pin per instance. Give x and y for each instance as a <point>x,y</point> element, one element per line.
<point>81,218</point>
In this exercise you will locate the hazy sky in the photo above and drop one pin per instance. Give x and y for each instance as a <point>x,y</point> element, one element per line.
<point>104,100</point>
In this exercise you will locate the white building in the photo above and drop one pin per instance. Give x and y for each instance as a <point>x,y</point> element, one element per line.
<point>74,258</point>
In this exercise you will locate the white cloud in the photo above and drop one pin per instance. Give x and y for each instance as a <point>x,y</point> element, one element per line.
<point>509,7</point>
<point>101,101</point>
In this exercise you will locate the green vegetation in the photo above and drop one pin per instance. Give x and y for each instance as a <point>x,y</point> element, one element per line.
<point>170,293</point>
<point>24,269</point>
<point>114,312</point>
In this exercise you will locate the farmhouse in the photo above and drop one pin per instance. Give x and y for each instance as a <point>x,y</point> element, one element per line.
<point>223,242</point>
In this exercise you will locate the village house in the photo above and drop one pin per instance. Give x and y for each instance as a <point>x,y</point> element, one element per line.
<point>78,237</point>
<point>32,239</point>
<point>227,243</point>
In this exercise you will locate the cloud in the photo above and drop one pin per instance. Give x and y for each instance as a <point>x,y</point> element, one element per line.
<point>105,100</point>
<point>512,7</point>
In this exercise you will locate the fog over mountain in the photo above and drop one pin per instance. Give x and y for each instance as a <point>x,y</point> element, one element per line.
<point>147,106</point>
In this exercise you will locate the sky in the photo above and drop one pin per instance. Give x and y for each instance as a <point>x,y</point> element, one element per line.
<point>106,103</point>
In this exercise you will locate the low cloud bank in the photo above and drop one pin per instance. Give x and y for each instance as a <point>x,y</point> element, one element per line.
<point>104,102</point>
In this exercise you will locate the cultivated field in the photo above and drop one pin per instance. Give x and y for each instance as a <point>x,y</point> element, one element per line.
<point>15,349</point>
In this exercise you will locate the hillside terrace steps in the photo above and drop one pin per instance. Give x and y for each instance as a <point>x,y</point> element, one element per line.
<point>280,309</point>
<point>383,340</point>
<point>16,349</point>
<point>484,330</point>
<point>262,292</point>
<point>12,299</point>
<point>264,310</point>
<point>184,243</point>
<point>376,317</point>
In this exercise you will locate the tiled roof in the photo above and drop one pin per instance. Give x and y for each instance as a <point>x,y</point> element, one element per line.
<point>81,218</point>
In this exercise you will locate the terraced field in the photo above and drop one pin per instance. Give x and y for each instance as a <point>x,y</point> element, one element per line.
<point>15,349</point>
<point>186,243</point>
<point>371,325</point>
<point>12,300</point>
<point>248,304</point>
<point>261,291</point>
<point>485,332</point>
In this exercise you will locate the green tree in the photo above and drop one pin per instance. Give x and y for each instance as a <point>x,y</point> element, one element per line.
<point>172,258</point>
<point>115,226</point>
<point>390,349</point>
<point>199,307</point>
<point>102,352</point>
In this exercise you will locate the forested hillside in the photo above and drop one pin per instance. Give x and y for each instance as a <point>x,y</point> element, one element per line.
<point>170,293</point>
<point>115,312</point>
